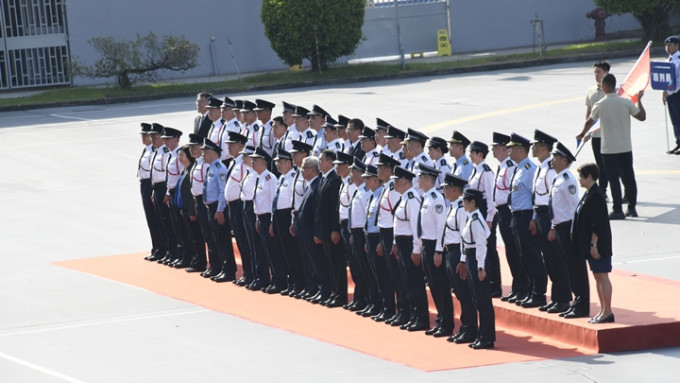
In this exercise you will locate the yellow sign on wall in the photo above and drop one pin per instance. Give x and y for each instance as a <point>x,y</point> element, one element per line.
<point>443,45</point>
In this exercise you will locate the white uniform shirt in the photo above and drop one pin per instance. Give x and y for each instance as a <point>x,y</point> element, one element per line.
<point>503,178</point>
<point>357,219</point>
<point>474,235</point>
<point>545,175</point>
<point>238,171</point>
<point>174,170</point>
<point>455,222</point>
<point>144,166</point>
<point>231,126</point>
<point>444,166</point>
<point>215,132</point>
<point>346,192</point>
<point>267,139</point>
<point>198,176</point>
<point>482,178</point>
<point>252,131</point>
<point>307,136</point>
<point>563,197</point>
<point>433,217</point>
<point>399,156</point>
<point>285,200</point>
<point>159,165</point>
<point>406,217</point>
<point>248,186</point>
<point>388,200</point>
<point>372,157</point>
<point>414,167</point>
<point>337,145</point>
<point>298,191</point>
<point>264,192</point>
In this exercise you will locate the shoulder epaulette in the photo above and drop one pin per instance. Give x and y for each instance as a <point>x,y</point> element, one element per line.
<point>268,177</point>
<point>310,134</point>
<point>566,176</point>
<point>474,216</point>
<point>550,165</point>
<point>402,155</point>
<point>433,194</point>
<point>256,127</point>
<point>486,168</point>
<point>337,145</point>
<point>527,165</point>
<point>460,203</point>
<point>218,164</point>
<point>465,162</point>
<point>423,158</point>
<point>443,162</point>
<point>236,123</point>
<point>509,163</point>
<point>165,149</point>
<point>410,195</point>
<point>376,154</point>
<point>392,186</point>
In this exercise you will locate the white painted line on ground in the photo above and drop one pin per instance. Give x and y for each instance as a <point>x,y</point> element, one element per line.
<point>70,117</point>
<point>43,370</point>
<point>646,260</point>
<point>97,323</point>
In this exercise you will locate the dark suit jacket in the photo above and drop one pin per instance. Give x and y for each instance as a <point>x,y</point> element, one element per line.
<point>185,188</point>
<point>592,217</point>
<point>327,217</point>
<point>304,219</point>
<point>204,129</point>
<point>357,152</point>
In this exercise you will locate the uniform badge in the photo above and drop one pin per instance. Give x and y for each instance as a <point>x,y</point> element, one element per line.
<point>218,165</point>
<point>402,156</point>
<point>486,168</point>
<point>509,163</point>
<point>423,158</point>
<point>223,177</point>
<point>392,186</point>
<point>439,208</point>
<point>572,189</point>
<point>443,162</point>
<point>465,162</point>
<point>256,127</point>
<point>268,177</point>
<point>433,194</point>
<point>527,165</point>
<point>514,188</point>
<point>566,176</point>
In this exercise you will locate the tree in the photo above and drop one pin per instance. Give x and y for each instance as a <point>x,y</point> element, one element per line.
<point>141,59</point>
<point>653,15</point>
<point>318,30</point>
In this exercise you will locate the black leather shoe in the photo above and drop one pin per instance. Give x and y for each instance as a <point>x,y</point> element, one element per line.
<point>575,314</point>
<point>533,302</point>
<point>407,324</point>
<point>547,306</point>
<point>608,319</point>
<point>194,270</point>
<point>617,215</point>
<point>382,317</point>
<point>300,294</point>
<point>209,273</point>
<point>157,256</point>
<point>273,290</point>
<point>321,297</point>
<point>181,265</point>
<point>399,321</point>
<point>631,212</point>
<point>481,345</point>
<point>519,301</point>
<point>391,318</point>
<point>507,298</point>
<point>442,332</point>
<point>675,150</point>
<point>518,297</point>
<point>465,338</point>
<point>287,291</point>
<point>496,294</point>
<point>432,330</point>
<point>419,325</point>
<point>223,278</point>
<point>559,307</point>
<point>338,301</point>
<point>216,276</point>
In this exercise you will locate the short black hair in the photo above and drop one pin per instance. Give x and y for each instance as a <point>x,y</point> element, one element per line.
<point>609,80</point>
<point>356,123</point>
<point>602,64</point>
<point>331,155</point>
<point>589,169</point>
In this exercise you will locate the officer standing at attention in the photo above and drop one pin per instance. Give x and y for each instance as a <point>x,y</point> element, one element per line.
<point>456,217</point>
<point>462,166</point>
<point>317,119</point>
<point>415,143</point>
<point>540,223</point>
<point>174,169</point>
<point>263,110</point>
<point>521,204</point>
<point>300,130</point>
<point>374,186</point>
<point>330,131</point>
<point>394,138</point>
<point>407,246</point>
<point>381,128</point>
<point>215,115</point>
<point>223,264</point>
<point>347,190</point>
<point>258,267</point>
<point>368,146</point>
<point>145,188</point>
<point>236,173</point>
<point>437,150</point>
<point>503,219</point>
<point>263,199</point>
<point>231,124</point>
<point>252,127</point>
<point>389,274</point>
<point>672,97</point>
<point>482,178</point>
<point>282,208</point>
<point>471,267</point>
<point>159,176</point>
<point>431,221</point>
<point>563,201</point>
<point>203,236</point>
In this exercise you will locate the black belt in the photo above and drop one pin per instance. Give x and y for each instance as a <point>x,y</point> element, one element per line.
<point>387,229</point>
<point>563,224</point>
<point>372,235</point>
<point>288,209</point>
<point>248,202</point>
<point>357,229</point>
<point>343,221</point>
<point>427,240</point>
<point>145,180</point>
<point>234,202</point>
<point>158,183</point>
<point>262,216</point>
<point>403,237</point>
<point>448,245</point>
<point>521,212</point>
<point>503,206</point>
<point>198,198</point>
<point>211,204</point>
<point>541,209</point>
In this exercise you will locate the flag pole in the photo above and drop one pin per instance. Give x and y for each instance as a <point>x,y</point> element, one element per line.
<point>668,146</point>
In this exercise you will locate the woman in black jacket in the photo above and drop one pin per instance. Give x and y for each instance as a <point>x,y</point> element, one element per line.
<point>187,208</point>
<point>592,238</point>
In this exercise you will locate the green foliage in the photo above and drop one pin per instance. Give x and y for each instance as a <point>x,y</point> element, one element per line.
<point>295,28</point>
<point>141,59</point>
<point>653,15</point>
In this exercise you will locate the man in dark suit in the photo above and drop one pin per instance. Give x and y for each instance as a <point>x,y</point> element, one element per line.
<point>354,129</point>
<point>327,229</point>
<point>202,123</point>
<point>303,222</point>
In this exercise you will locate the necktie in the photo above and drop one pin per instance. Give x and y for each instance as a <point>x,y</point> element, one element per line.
<point>257,181</point>
<point>420,227</point>
<point>495,182</point>
<point>550,205</point>
<point>512,182</point>
<point>377,213</point>
<point>368,211</point>
<point>276,196</point>
<point>472,175</point>
<point>295,179</point>
<point>139,166</point>
<point>533,195</point>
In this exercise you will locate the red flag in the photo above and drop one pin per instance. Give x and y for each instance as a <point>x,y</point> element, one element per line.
<point>638,77</point>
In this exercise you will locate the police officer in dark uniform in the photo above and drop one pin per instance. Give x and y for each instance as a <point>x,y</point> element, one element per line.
<point>145,187</point>
<point>159,177</point>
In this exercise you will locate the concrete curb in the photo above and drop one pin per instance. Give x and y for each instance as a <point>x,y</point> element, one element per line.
<point>510,64</point>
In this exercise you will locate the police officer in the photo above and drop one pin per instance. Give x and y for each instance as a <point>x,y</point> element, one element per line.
<point>407,246</point>
<point>520,201</point>
<point>540,223</point>
<point>258,264</point>
<point>263,199</point>
<point>145,187</point>
<point>317,119</point>
<point>394,148</point>
<point>471,267</point>
<point>330,131</point>
<point>174,169</point>
<point>503,219</point>
<point>251,128</point>
<point>159,176</point>
<point>215,116</point>
<point>456,218</point>
<point>482,178</point>
<point>300,130</point>
<point>237,173</point>
<point>462,167</point>
<point>231,124</point>
<point>351,180</point>
<point>372,233</point>
<point>202,235</point>
<point>223,264</point>
<point>388,271</point>
<point>431,221</point>
<point>263,110</point>
<point>282,208</point>
<point>436,149</point>
<point>415,143</point>
<point>562,203</point>
<point>368,145</point>
<point>381,128</point>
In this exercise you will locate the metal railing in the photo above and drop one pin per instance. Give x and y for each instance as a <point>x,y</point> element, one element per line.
<point>390,3</point>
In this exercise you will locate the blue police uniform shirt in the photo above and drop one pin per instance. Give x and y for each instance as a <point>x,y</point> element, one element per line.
<point>213,187</point>
<point>463,167</point>
<point>523,186</point>
<point>371,221</point>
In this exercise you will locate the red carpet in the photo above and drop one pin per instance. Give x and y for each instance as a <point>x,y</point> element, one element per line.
<point>644,318</point>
